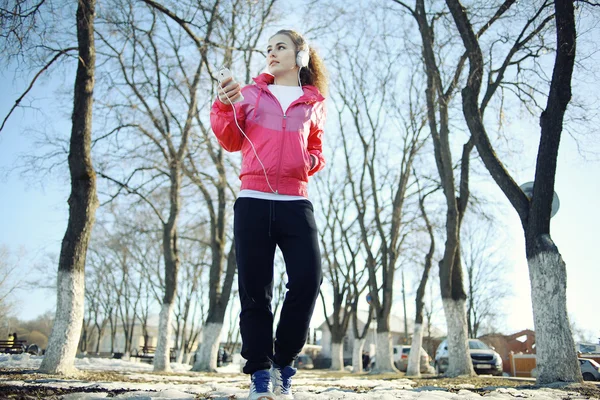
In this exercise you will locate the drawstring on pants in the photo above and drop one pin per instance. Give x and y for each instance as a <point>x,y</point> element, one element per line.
<point>271,214</point>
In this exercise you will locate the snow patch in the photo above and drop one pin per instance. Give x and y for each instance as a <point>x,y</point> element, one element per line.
<point>229,384</point>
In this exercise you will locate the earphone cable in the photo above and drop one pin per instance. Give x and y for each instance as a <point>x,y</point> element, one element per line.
<point>247,138</point>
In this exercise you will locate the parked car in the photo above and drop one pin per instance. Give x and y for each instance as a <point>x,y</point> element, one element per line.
<point>485,359</point>
<point>400,358</point>
<point>304,361</point>
<point>401,354</point>
<point>590,369</point>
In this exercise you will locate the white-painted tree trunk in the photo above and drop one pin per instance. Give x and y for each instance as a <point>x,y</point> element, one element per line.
<point>208,350</point>
<point>337,356</point>
<point>556,357</point>
<point>357,351</point>
<point>459,358</point>
<point>162,363</point>
<point>414,357</point>
<point>179,358</point>
<point>62,344</point>
<point>384,360</point>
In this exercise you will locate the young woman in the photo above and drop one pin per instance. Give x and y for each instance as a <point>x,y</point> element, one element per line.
<point>278,127</point>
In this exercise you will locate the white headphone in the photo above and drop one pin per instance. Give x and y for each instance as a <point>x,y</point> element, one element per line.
<point>302,57</point>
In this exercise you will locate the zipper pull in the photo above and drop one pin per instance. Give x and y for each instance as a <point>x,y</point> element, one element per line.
<point>284,121</point>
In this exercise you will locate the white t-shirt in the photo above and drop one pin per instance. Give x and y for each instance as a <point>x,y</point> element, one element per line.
<point>286,96</point>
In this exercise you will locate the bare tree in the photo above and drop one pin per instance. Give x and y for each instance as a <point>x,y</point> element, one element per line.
<point>414,359</point>
<point>62,345</point>
<point>93,306</point>
<point>340,248</point>
<point>386,127</point>
<point>442,84</point>
<point>233,334</point>
<point>485,267</point>
<point>221,33</point>
<point>195,262</point>
<point>216,194</point>
<point>556,356</point>
<point>341,244</point>
<point>20,34</point>
<point>453,294</point>
<point>154,79</point>
<point>8,280</point>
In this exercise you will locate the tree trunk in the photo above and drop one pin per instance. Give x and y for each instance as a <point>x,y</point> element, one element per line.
<point>171,257</point>
<point>384,362</point>
<point>357,351</point>
<point>83,201</point>
<point>459,361</point>
<point>454,298</point>
<point>359,337</point>
<point>161,355</point>
<point>414,358</point>
<point>180,354</point>
<point>113,334</point>
<point>554,341</point>
<point>208,349</point>
<point>100,329</point>
<point>555,348</point>
<point>337,356</point>
<point>450,268</point>
<point>404,314</point>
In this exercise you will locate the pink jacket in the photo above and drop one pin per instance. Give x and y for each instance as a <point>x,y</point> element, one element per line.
<point>284,141</point>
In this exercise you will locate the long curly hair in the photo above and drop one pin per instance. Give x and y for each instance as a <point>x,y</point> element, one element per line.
<point>316,73</point>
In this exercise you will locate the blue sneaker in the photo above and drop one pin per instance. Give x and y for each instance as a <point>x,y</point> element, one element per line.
<point>261,387</point>
<point>282,381</point>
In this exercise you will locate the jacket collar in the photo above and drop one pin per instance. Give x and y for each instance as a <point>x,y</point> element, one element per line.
<point>311,93</point>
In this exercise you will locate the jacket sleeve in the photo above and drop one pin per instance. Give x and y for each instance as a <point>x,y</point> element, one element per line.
<point>315,138</point>
<point>222,121</point>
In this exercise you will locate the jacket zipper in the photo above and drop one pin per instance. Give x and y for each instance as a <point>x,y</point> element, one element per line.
<point>284,123</point>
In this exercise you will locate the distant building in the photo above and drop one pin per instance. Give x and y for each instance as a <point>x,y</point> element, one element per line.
<point>396,332</point>
<point>588,348</point>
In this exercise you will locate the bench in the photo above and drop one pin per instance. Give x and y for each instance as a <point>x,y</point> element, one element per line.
<point>146,354</point>
<point>13,347</point>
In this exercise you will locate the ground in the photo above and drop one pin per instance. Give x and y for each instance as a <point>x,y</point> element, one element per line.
<point>27,384</point>
<point>102,378</point>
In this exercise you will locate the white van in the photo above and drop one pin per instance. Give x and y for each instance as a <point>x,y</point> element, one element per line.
<point>400,358</point>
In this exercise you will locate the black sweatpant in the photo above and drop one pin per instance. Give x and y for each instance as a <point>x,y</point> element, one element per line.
<point>259,226</point>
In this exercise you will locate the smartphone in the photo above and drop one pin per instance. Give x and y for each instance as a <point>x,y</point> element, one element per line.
<point>225,73</point>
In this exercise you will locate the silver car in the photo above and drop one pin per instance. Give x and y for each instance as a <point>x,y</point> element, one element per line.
<point>485,360</point>
<point>590,369</point>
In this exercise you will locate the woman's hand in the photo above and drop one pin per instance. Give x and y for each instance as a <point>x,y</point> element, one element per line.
<point>229,91</point>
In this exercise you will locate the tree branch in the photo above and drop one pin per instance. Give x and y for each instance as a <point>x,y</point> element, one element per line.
<point>35,78</point>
